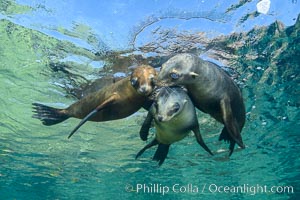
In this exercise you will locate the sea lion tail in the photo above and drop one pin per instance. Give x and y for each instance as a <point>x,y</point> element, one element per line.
<point>161,153</point>
<point>48,115</point>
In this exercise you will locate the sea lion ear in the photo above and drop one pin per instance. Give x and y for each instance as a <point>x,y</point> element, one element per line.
<point>193,74</point>
<point>132,68</point>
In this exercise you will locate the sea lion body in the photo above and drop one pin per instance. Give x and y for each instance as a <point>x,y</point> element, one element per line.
<point>112,102</point>
<point>211,90</point>
<point>174,117</point>
<point>129,100</point>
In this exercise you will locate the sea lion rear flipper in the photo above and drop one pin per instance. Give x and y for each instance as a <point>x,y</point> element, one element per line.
<point>161,153</point>
<point>48,115</point>
<point>230,123</point>
<point>144,131</point>
<point>200,140</point>
<point>151,144</point>
<point>226,137</point>
<point>107,102</point>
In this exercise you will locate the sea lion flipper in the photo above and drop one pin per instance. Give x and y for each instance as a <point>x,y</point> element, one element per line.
<point>144,131</point>
<point>107,102</point>
<point>151,144</point>
<point>161,153</point>
<point>231,147</point>
<point>200,140</point>
<point>49,115</point>
<point>230,122</point>
<point>227,138</point>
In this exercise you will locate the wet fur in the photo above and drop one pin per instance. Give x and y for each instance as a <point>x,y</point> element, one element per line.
<point>176,127</point>
<point>112,102</point>
<point>211,90</point>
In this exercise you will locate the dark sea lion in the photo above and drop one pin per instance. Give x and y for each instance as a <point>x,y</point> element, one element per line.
<point>174,117</point>
<point>211,90</point>
<point>112,102</point>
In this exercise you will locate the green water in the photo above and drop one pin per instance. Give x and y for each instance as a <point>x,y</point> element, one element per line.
<point>98,162</point>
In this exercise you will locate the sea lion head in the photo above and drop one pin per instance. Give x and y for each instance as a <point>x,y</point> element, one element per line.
<point>142,79</point>
<point>178,70</point>
<point>168,104</point>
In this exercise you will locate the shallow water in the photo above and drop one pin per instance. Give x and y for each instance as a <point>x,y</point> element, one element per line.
<point>50,49</point>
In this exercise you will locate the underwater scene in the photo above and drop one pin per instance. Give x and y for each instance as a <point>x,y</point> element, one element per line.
<point>56,52</point>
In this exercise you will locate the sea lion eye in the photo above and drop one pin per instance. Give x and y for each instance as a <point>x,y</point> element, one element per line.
<point>134,81</point>
<point>174,75</point>
<point>176,107</point>
<point>151,77</point>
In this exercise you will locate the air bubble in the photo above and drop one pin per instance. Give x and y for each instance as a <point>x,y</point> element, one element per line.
<point>263,6</point>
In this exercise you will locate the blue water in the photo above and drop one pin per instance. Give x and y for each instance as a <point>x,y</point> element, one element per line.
<point>51,49</point>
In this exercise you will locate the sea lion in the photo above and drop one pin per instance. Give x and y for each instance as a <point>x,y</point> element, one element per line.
<point>174,117</point>
<point>211,90</point>
<point>112,102</point>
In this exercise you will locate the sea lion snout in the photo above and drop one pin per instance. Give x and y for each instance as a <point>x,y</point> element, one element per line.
<point>145,89</point>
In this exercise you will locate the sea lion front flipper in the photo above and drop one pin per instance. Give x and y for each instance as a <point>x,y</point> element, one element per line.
<point>161,153</point>
<point>200,140</point>
<point>230,123</point>
<point>107,102</point>
<point>144,131</point>
<point>151,144</point>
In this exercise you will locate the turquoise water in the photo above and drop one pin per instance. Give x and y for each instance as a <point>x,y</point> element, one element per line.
<point>51,50</point>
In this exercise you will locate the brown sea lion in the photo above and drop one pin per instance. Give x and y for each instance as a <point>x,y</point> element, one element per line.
<point>174,117</point>
<point>112,102</point>
<point>211,90</point>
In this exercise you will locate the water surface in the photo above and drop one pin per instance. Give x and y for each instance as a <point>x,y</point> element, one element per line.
<point>50,50</point>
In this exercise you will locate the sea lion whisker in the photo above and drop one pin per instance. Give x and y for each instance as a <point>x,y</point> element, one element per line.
<point>169,89</point>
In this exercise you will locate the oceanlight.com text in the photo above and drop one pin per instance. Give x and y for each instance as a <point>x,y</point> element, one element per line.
<point>207,188</point>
